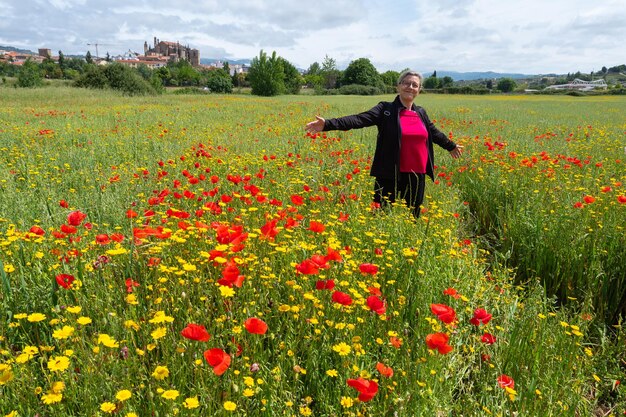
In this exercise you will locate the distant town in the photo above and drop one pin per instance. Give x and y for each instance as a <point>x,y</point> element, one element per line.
<point>155,55</point>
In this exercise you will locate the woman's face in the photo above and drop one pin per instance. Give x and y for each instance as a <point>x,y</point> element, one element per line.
<point>409,88</point>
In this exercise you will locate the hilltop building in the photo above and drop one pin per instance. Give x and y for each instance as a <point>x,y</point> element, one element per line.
<point>173,51</point>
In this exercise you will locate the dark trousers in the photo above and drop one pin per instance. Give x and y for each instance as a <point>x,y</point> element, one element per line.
<point>408,186</point>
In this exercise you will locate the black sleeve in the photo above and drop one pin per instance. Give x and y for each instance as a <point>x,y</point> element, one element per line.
<point>437,136</point>
<point>356,121</point>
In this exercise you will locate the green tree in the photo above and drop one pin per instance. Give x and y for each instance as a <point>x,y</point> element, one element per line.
<point>266,75</point>
<point>62,62</point>
<point>219,81</point>
<point>291,77</point>
<point>88,58</point>
<point>390,78</point>
<point>361,71</point>
<point>29,75</point>
<point>330,72</point>
<point>506,85</point>
<point>431,82</point>
<point>314,69</point>
<point>227,68</point>
<point>447,81</point>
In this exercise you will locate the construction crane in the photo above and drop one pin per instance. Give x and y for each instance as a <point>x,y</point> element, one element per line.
<point>96,44</point>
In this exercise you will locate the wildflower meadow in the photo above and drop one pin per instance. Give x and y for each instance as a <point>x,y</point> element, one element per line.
<point>203,256</point>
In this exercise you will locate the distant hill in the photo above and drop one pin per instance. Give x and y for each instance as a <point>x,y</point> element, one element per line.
<point>209,61</point>
<point>13,49</point>
<point>470,76</point>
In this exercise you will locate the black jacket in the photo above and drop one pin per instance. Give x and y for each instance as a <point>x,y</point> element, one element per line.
<point>386,116</point>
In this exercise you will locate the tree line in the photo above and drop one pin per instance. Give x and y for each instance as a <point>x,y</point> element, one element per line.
<point>268,75</point>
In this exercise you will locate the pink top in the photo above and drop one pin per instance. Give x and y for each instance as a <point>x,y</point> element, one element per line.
<point>413,150</point>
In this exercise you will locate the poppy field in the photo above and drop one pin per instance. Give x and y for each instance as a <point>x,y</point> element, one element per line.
<point>204,256</point>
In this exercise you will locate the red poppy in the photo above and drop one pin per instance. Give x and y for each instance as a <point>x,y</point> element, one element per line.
<point>196,332</point>
<point>480,317</point>
<point>37,231</point>
<point>488,339</point>
<point>376,304</point>
<point>343,217</point>
<point>395,341</point>
<point>589,199</point>
<point>68,229</point>
<point>333,255</point>
<point>269,230</point>
<point>231,276</point>
<point>63,204</point>
<point>342,298</point>
<point>443,312</point>
<point>75,218</point>
<point>385,371</point>
<point>218,359</point>
<point>368,269</point>
<point>452,293</point>
<point>439,342</point>
<point>130,283</point>
<point>117,237</point>
<point>621,199</point>
<point>65,280</point>
<point>578,204</point>
<point>103,239</point>
<point>255,326</point>
<point>367,389</point>
<point>307,267</point>
<point>130,213</point>
<point>329,284</point>
<point>316,227</point>
<point>374,291</point>
<point>506,381</point>
<point>297,200</point>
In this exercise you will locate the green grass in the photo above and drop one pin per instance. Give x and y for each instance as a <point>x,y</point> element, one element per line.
<point>207,174</point>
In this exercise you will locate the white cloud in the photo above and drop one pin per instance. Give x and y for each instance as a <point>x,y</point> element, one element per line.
<point>530,36</point>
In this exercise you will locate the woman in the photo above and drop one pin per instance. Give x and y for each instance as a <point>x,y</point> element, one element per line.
<point>404,146</point>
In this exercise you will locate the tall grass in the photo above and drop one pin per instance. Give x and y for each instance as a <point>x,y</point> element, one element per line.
<point>178,188</point>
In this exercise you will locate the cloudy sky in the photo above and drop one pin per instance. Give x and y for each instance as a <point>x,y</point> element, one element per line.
<point>526,36</point>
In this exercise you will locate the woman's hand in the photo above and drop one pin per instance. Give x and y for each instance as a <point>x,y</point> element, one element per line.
<point>316,126</point>
<point>457,152</point>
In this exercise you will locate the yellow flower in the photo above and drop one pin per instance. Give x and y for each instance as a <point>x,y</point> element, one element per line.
<point>248,392</point>
<point>332,373</point>
<point>107,407</point>
<point>123,395</point>
<point>191,402</point>
<point>8,268</point>
<point>229,405</point>
<point>83,321</point>
<point>161,317</point>
<point>57,387</point>
<point>305,411</point>
<point>226,291</point>
<point>36,317</point>
<point>342,349</point>
<point>159,333</point>
<point>170,394</point>
<point>20,316</point>
<point>346,402</point>
<point>107,340</point>
<point>59,363</point>
<point>6,374</point>
<point>131,414</point>
<point>51,398</point>
<point>11,414</point>
<point>161,372</point>
<point>63,333</point>
<point>248,381</point>
<point>74,310</point>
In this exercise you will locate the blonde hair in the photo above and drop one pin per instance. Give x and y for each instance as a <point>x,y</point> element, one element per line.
<point>409,73</point>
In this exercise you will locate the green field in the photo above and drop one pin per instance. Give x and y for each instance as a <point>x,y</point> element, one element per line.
<point>128,223</point>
